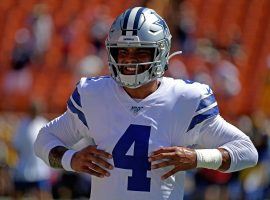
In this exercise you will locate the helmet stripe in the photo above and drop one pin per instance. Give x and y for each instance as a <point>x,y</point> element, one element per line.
<point>126,22</point>
<point>136,22</point>
<point>131,21</point>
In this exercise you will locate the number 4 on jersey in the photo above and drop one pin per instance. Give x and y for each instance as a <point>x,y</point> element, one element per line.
<point>138,162</point>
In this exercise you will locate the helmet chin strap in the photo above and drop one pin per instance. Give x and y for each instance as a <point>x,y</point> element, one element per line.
<point>174,54</point>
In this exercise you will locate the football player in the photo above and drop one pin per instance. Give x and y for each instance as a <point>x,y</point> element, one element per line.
<point>144,130</point>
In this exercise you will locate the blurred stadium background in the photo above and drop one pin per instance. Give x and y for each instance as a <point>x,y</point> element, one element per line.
<point>47,45</point>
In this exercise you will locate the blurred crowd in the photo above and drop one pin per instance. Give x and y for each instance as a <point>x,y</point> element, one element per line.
<point>51,44</point>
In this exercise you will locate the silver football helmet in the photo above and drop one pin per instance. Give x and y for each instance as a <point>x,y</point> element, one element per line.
<point>139,28</point>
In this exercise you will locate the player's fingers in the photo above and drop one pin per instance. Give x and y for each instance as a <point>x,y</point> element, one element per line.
<point>100,161</point>
<point>90,148</point>
<point>163,150</point>
<point>97,168</point>
<point>161,164</point>
<point>168,174</point>
<point>100,152</point>
<point>91,172</point>
<point>161,156</point>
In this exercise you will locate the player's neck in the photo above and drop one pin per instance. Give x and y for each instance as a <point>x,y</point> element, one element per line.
<point>143,91</point>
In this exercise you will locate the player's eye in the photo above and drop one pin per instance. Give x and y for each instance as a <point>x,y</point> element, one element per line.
<point>144,52</point>
<point>122,52</point>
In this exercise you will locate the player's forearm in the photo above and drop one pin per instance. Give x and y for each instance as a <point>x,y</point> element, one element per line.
<point>239,151</point>
<point>44,143</point>
<point>233,156</point>
<point>217,159</point>
<point>243,154</point>
<point>226,160</point>
<point>56,155</point>
<point>240,148</point>
<point>58,132</point>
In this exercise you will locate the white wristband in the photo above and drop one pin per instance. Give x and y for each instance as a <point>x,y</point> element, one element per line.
<point>208,158</point>
<point>66,160</point>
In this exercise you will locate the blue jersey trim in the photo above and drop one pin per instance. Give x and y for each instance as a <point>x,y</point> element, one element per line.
<point>76,97</point>
<point>97,78</point>
<point>78,112</point>
<point>205,102</point>
<point>203,116</point>
<point>188,81</point>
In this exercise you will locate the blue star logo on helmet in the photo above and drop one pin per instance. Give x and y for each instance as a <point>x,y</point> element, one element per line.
<point>162,23</point>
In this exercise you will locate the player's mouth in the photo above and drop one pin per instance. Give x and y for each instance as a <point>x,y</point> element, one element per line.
<point>131,70</point>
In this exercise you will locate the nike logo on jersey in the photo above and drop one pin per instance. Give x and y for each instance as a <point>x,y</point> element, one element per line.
<point>136,109</point>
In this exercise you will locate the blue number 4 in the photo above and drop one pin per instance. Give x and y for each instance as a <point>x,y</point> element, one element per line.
<point>138,162</point>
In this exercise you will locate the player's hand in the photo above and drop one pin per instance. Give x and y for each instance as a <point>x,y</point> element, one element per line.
<point>181,158</point>
<point>92,161</point>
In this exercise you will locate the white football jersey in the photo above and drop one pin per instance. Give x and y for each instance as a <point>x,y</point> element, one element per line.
<point>131,130</point>
<point>178,113</point>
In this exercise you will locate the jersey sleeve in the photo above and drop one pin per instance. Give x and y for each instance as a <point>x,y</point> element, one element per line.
<point>206,107</point>
<point>207,129</point>
<point>66,130</point>
<point>74,105</point>
<point>217,133</point>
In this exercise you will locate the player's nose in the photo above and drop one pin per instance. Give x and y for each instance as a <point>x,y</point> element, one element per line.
<point>131,58</point>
